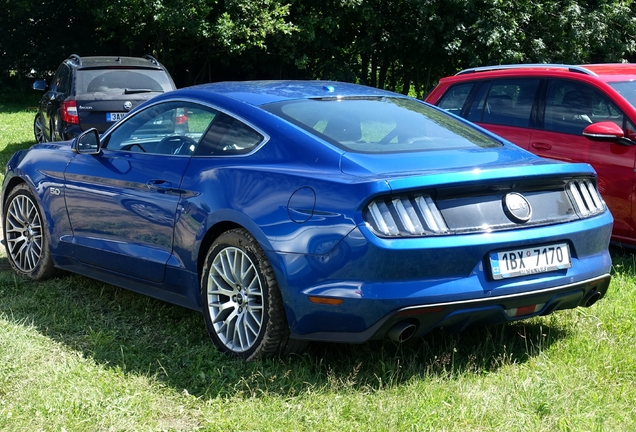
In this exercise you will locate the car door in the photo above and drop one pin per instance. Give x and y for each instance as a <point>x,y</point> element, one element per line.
<point>50,103</point>
<point>569,106</point>
<point>122,203</point>
<point>505,107</point>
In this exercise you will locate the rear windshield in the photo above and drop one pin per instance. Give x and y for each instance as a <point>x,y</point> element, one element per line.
<point>380,124</point>
<point>627,89</point>
<point>121,81</point>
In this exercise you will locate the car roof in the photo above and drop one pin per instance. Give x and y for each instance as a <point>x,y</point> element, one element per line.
<point>606,72</point>
<point>263,92</point>
<point>613,71</point>
<point>98,62</point>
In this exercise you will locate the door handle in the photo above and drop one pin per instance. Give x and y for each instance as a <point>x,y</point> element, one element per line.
<point>541,146</point>
<point>159,185</point>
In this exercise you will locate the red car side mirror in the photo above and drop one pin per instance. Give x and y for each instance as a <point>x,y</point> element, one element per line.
<point>604,131</point>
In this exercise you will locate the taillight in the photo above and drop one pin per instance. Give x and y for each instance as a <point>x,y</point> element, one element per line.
<point>69,112</point>
<point>415,215</point>
<point>587,200</point>
<point>182,116</point>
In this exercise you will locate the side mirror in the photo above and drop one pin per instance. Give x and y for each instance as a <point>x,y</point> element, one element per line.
<point>40,85</point>
<point>604,131</point>
<point>607,131</point>
<point>87,143</point>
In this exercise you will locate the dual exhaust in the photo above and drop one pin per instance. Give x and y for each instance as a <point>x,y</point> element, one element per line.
<point>404,330</point>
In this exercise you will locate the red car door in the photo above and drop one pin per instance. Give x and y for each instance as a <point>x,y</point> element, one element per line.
<point>505,107</point>
<point>569,107</point>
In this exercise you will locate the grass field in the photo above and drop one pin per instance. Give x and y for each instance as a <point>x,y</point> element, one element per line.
<point>79,355</point>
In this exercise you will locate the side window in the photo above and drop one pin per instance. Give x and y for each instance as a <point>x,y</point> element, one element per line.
<point>228,136</point>
<point>454,99</point>
<point>630,130</point>
<point>62,79</point>
<point>571,106</point>
<point>510,101</point>
<point>476,109</point>
<point>604,109</point>
<point>172,128</point>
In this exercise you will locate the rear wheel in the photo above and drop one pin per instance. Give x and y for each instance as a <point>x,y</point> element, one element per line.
<point>242,304</point>
<point>38,129</point>
<point>25,234</point>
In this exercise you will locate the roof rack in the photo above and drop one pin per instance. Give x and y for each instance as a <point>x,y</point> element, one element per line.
<point>151,58</point>
<point>75,58</point>
<point>578,69</point>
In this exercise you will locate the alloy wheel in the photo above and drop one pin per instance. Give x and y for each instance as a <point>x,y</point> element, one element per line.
<point>235,299</point>
<point>23,227</point>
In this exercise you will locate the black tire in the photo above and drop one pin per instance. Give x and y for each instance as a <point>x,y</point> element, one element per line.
<point>26,236</point>
<point>38,129</point>
<point>242,305</point>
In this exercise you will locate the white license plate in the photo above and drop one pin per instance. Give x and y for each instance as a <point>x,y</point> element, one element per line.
<point>539,259</point>
<point>113,117</point>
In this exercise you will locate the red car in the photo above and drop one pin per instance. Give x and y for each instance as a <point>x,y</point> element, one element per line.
<point>570,113</point>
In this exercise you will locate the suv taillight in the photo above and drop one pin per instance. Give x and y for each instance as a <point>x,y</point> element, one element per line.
<point>69,112</point>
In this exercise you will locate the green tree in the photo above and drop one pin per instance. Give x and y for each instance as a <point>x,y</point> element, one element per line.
<point>559,31</point>
<point>37,35</point>
<point>402,45</point>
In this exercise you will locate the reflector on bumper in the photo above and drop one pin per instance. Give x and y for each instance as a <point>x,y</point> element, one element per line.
<point>525,310</point>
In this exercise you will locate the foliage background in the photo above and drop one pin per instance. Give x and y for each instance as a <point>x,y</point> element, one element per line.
<point>401,45</point>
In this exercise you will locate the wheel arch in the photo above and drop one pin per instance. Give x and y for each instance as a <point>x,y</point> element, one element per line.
<point>221,227</point>
<point>210,236</point>
<point>12,183</point>
<point>221,221</point>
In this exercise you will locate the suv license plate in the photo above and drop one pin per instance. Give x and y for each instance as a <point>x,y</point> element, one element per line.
<point>113,117</point>
<point>520,262</point>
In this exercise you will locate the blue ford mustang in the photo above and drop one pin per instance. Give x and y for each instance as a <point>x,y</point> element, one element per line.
<point>295,211</point>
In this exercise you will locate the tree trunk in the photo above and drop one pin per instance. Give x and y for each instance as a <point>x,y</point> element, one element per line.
<point>416,84</point>
<point>384,65</point>
<point>406,80</point>
<point>374,70</point>
<point>364,69</point>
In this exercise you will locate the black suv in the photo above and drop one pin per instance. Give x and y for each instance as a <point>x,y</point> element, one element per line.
<point>95,92</point>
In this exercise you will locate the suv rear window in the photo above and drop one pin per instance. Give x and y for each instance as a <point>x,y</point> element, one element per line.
<point>121,81</point>
<point>380,124</point>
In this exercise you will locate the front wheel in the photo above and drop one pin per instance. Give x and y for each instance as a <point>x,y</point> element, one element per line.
<point>25,235</point>
<point>242,304</point>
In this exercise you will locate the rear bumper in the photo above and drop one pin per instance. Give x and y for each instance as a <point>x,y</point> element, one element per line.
<point>375,279</point>
<point>455,316</point>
